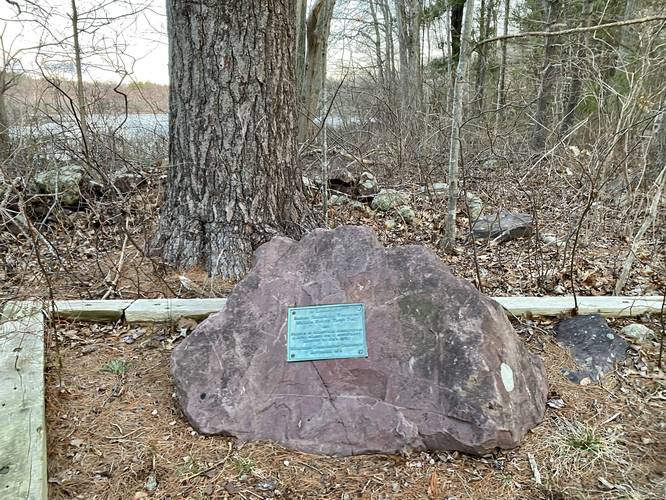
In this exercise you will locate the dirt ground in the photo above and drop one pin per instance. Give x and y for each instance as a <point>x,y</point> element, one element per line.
<point>115,432</point>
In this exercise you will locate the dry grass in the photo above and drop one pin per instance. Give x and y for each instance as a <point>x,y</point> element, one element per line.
<point>118,434</point>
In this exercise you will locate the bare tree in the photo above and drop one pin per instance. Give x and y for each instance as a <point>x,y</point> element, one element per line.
<point>456,123</point>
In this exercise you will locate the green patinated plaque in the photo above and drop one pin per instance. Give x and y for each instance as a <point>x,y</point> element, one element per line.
<point>326,332</point>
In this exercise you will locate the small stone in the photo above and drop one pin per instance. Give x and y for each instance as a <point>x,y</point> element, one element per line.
<point>268,485</point>
<point>338,199</point>
<point>407,214</point>
<point>638,332</point>
<point>151,482</point>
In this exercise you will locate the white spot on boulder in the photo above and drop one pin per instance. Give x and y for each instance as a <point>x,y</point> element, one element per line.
<point>507,377</point>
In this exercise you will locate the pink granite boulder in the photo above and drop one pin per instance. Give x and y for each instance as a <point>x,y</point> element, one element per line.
<point>445,370</point>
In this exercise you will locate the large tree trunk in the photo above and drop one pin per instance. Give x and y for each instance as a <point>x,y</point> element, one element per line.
<point>233,181</point>
<point>318,28</point>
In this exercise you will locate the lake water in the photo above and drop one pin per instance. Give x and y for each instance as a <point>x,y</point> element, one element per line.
<point>134,127</point>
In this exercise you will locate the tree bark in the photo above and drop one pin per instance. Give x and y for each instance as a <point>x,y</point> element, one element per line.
<point>456,122</point>
<point>540,131</point>
<point>233,182</point>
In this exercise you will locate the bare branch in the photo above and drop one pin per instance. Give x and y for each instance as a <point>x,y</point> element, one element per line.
<point>570,31</point>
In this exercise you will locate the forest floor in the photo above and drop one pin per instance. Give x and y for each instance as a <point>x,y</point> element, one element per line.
<point>101,251</point>
<point>121,435</point>
<point>115,432</point>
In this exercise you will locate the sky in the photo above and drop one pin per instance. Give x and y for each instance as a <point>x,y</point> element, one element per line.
<point>119,38</point>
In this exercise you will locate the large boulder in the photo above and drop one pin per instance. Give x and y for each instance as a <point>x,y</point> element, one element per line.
<point>445,368</point>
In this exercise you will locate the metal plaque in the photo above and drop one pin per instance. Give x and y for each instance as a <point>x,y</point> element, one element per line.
<point>326,332</point>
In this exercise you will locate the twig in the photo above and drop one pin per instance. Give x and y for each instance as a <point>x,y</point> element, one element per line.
<point>214,466</point>
<point>119,266</point>
<point>535,468</point>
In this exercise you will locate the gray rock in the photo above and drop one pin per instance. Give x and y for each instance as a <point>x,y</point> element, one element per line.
<point>387,199</point>
<point>593,344</point>
<point>504,226</point>
<point>407,214</point>
<point>367,184</point>
<point>65,182</point>
<point>125,181</point>
<point>436,190</point>
<point>445,368</point>
<point>638,332</point>
<point>357,205</point>
<point>338,199</point>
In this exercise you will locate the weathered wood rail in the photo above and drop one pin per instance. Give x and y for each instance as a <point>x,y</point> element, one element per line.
<point>22,417</point>
<point>165,310</point>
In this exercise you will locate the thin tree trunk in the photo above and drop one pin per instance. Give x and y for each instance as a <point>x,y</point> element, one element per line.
<point>80,95</point>
<point>501,82</point>
<point>4,121</point>
<point>233,182</point>
<point>301,10</point>
<point>540,132</point>
<point>454,152</point>
<point>408,14</point>
<point>378,44</point>
<point>389,48</point>
<point>318,28</point>
<point>485,11</point>
<point>577,77</point>
<point>457,8</point>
